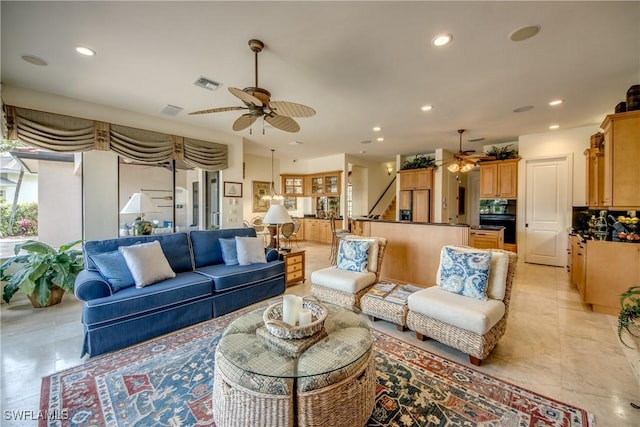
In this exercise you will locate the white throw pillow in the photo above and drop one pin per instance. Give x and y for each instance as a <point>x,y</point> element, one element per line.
<point>147,263</point>
<point>250,250</point>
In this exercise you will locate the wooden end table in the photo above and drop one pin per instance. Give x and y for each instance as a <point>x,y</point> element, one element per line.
<point>293,266</point>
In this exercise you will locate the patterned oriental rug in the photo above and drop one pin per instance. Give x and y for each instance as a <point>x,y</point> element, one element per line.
<point>168,382</point>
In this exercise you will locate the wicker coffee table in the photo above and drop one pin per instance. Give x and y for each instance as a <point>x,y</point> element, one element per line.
<point>330,382</point>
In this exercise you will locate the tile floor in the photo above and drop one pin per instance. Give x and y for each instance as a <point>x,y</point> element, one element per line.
<point>554,346</point>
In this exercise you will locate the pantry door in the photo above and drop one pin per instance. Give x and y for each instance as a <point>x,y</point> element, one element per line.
<point>546,206</point>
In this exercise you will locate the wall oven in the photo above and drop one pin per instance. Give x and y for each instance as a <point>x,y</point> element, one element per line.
<point>508,221</point>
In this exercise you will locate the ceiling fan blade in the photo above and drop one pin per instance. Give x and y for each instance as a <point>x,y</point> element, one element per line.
<point>245,97</point>
<point>291,109</point>
<point>284,123</point>
<point>244,121</point>
<point>217,110</point>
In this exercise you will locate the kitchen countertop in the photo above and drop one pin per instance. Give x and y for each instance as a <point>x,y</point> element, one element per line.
<point>444,224</point>
<point>487,227</point>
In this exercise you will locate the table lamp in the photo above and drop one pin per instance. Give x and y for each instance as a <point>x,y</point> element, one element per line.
<point>277,215</point>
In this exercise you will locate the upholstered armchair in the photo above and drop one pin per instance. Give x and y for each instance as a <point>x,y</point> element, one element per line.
<point>457,311</point>
<point>354,273</point>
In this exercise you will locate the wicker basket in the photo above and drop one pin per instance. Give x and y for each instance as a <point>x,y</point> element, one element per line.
<point>273,321</point>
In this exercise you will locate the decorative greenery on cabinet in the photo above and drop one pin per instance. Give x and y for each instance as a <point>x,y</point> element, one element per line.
<point>503,153</point>
<point>419,162</point>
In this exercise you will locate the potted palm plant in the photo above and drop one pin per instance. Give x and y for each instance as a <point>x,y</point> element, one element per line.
<point>45,273</point>
<point>629,316</point>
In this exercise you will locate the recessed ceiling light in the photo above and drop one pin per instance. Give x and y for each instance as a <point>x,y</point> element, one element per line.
<point>441,39</point>
<point>523,109</point>
<point>524,33</point>
<point>556,102</point>
<point>82,50</point>
<point>377,129</point>
<point>426,107</point>
<point>552,127</point>
<point>32,59</point>
<point>380,139</point>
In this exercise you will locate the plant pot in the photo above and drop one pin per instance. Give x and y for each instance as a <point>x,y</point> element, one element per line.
<point>54,298</point>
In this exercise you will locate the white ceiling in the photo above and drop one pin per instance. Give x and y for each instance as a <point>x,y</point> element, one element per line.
<point>358,64</point>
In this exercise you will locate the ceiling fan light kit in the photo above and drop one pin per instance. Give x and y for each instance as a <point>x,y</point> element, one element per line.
<point>258,102</point>
<point>465,161</point>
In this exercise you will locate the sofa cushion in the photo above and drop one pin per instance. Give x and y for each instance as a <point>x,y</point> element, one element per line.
<point>175,246</point>
<point>250,250</point>
<point>113,267</point>
<point>464,273</point>
<point>134,301</point>
<point>147,263</point>
<point>343,280</point>
<point>236,276</point>
<point>353,255</point>
<point>229,251</point>
<point>206,248</point>
<point>498,270</point>
<point>463,312</point>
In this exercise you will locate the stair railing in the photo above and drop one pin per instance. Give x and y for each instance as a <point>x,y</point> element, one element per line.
<point>393,181</point>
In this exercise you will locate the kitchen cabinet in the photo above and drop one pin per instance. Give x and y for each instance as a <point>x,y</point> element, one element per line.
<point>499,179</point>
<point>486,239</point>
<point>621,154</point>
<point>578,255</point>
<point>421,206</point>
<point>325,184</point>
<point>405,200</point>
<point>319,230</point>
<point>595,177</point>
<point>611,268</point>
<point>416,179</point>
<point>292,185</point>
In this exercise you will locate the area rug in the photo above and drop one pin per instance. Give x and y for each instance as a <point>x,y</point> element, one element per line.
<point>168,382</point>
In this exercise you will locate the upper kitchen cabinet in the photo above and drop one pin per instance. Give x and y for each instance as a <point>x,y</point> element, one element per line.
<point>416,179</point>
<point>292,185</point>
<point>595,177</point>
<point>326,184</point>
<point>499,179</point>
<point>621,154</point>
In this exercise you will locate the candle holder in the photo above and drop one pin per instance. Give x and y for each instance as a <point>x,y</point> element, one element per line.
<point>272,317</point>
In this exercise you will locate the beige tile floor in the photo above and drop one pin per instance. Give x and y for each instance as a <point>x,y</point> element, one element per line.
<point>554,346</point>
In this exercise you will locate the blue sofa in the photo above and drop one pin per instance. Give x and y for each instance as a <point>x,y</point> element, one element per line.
<point>204,287</point>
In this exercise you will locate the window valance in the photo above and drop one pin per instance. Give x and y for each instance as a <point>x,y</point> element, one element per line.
<point>65,134</point>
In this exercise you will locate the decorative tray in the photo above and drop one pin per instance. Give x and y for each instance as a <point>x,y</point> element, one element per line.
<point>272,317</point>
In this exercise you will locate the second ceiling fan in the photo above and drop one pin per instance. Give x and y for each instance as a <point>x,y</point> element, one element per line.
<point>464,161</point>
<point>259,104</point>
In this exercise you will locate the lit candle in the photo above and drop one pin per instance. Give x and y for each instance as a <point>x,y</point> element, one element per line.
<point>299,305</point>
<point>304,316</point>
<point>289,309</point>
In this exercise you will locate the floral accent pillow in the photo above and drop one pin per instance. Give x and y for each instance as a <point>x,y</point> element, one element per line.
<point>353,255</point>
<point>465,273</point>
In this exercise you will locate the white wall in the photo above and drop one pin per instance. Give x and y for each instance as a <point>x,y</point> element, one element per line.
<point>28,188</point>
<point>559,142</point>
<point>100,195</point>
<point>59,203</point>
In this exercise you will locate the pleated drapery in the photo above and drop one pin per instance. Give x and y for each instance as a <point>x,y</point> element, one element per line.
<point>66,134</point>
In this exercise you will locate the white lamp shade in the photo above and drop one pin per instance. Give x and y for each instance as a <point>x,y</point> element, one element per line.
<point>277,214</point>
<point>139,203</point>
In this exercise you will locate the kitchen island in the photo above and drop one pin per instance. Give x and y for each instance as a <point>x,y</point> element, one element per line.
<point>413,249</point>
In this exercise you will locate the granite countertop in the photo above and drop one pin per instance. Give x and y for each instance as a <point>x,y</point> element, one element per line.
<point>487,227</point>
<point>444,224</point>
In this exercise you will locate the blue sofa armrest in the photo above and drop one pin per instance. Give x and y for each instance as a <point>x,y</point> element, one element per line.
<point>271,254</point>
<point>91,285</point>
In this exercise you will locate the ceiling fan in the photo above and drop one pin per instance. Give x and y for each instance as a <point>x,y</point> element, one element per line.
<point>259,104</point>
<point>464,161</point>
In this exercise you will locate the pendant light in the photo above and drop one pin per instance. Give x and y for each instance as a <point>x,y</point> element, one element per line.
<point>273,196</point>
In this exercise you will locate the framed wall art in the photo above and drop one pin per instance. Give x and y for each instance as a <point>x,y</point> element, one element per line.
<point>260,189</point>
<point>232,189</point>
<point>291,203</point>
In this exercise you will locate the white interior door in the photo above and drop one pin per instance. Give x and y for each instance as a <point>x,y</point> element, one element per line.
<point>546,208</point>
